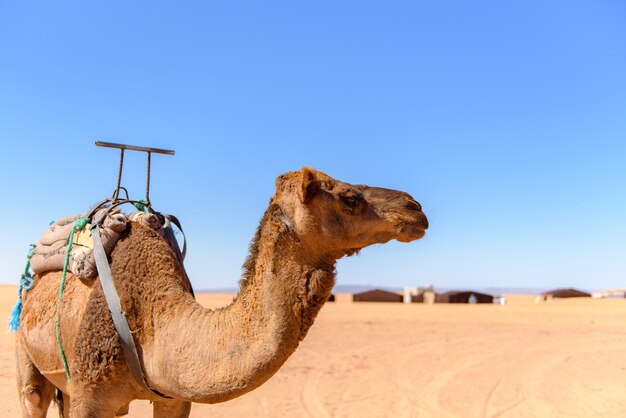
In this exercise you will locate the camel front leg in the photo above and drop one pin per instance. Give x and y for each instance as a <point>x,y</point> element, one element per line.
<point>34,390</point>
<point>89,407</point>
<point>173,409</point>
<point>63,403</point>
<point>89,401</point>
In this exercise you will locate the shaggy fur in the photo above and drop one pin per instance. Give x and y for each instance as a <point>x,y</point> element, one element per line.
<point>188,352</point>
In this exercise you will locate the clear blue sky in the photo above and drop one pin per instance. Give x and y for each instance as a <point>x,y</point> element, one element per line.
<point>506,120</point>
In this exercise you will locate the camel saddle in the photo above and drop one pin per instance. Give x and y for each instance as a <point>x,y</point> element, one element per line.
<point>50,251</point>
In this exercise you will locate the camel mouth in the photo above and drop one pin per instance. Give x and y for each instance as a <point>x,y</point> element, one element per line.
<point>408,232</point>
<point>413,229</point>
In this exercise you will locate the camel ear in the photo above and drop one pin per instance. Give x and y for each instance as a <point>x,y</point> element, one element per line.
<point>309,184</point>
<point>280,182</point>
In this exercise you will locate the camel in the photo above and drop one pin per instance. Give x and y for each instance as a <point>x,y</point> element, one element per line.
<point>190,353</point>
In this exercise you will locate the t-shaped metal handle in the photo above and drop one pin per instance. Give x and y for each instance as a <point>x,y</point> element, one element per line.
<point>122,148</point>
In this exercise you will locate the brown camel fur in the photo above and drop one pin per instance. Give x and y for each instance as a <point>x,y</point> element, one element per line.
<point>188,352</point>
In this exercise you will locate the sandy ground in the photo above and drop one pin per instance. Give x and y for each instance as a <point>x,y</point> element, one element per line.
<point>566,358</point>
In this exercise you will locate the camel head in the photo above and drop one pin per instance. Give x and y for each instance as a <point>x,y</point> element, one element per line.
<point>333,218</point>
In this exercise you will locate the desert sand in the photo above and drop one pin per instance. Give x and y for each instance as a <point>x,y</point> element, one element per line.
<point>565,358</point>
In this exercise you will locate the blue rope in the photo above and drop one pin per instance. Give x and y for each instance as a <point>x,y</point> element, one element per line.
<point>26,283</point>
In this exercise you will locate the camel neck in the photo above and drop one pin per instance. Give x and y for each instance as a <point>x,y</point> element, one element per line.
<point>244,344</point>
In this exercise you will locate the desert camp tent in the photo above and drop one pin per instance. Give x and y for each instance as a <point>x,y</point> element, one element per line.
<point>564,293</point>
<point>466,296</point>
<point>377,295</point>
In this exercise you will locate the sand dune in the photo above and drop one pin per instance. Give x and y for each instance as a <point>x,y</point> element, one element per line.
<point>566,358</point>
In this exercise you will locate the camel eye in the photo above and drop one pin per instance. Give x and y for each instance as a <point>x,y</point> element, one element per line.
<point>351,200</point>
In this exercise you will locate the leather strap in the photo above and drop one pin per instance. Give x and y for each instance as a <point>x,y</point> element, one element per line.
<point>169,233</point>
<point>117,313</point>
<point>173,219</point>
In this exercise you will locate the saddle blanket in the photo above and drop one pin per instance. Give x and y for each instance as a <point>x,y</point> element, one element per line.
<point>50,251</point>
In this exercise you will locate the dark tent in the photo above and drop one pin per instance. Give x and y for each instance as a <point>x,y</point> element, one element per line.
<point>377,295</point>
<point>564,293</point>
<point>331,298</point>
<point>466,296</point>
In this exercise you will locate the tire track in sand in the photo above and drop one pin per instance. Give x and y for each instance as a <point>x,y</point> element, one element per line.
<point>310,395</point>
<point>541,375</point>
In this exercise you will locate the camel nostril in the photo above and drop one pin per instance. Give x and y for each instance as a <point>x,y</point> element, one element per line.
<point>413,205</point>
